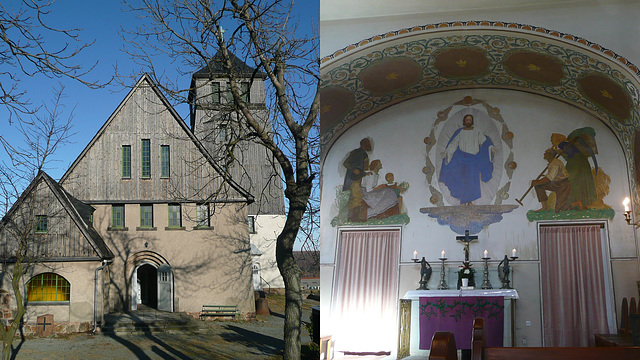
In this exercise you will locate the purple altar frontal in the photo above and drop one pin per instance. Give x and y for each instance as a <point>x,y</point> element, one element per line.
<point>456,314</point>
<point>454,310</point>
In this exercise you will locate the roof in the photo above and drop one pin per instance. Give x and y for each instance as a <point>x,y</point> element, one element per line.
<point>216,68</point>
<point>79,212</point>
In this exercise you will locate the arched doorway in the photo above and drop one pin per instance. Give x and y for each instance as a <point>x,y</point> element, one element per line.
<point>151,281</point>
<point>148,286</point>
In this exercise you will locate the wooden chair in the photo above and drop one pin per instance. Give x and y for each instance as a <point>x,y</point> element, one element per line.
<point>443,346</point>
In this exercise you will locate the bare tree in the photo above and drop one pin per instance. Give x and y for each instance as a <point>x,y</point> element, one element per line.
<point>25,49</point>
<point>29,46</point>
<point>197,33</point>
<point>42,135</point>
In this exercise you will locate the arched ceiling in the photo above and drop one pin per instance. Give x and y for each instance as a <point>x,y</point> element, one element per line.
<point>384,70</point>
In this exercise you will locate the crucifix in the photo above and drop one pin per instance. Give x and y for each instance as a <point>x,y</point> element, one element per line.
<point>466,239</point>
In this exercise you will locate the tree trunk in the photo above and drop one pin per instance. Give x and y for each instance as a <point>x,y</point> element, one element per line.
<point>10,333</point>
<point>291,272</point>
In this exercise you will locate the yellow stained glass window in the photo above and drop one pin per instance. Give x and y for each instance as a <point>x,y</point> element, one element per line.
<point>48,287</point>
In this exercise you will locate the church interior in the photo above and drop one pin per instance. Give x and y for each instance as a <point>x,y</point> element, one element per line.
<point>479,159</point>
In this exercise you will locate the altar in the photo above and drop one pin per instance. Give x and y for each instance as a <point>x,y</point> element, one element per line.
<point>449,310</point>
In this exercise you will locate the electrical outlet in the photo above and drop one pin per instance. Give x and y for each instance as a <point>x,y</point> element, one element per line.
<point>524,341</point>
<point>527,323</point>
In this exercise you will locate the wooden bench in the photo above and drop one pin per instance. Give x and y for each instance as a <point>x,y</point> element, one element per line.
<point>629,330</point>
<point>480,352</point>
<point>219,310</point>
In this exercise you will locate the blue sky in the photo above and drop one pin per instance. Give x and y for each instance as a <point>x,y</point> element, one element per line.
<point>101,22</point>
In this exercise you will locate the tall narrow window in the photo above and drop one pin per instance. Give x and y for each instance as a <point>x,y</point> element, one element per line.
<point>165,164</point>
<point>126,161</point>
<point>117,216</point>
<point>175,215</point>
<point>146,158</point>
<point>41,224</point>
<point>202,215</point>
<point>244,89</point>
<point>252,224</point>
<point>215,92</point>
<point>48,287</point>
<point>228,95</point>
<point>146,216</point>
<point>222,133</point>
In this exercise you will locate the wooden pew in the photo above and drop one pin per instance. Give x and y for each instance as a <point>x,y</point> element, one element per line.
<point>443,346</point>
<point>624,336</point>
<point>480,352</point>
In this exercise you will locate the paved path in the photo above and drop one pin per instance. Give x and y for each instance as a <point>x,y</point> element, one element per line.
<point>250,340</point>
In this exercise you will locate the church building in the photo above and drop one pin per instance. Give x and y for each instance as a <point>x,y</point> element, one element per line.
<point>476,156</point>
<point>145,216</point>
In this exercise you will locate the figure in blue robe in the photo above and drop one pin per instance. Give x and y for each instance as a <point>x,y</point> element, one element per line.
<point>470,162</point>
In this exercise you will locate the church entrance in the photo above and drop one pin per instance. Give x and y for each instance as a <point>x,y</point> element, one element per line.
<point>152,286</point>
<point>147,276</point>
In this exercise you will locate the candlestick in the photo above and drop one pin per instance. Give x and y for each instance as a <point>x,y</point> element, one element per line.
<point>443,283</point>
<point>485,282</point>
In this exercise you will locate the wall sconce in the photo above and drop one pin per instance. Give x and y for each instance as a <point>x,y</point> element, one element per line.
<point>146,244</point>
<point>627,210</point>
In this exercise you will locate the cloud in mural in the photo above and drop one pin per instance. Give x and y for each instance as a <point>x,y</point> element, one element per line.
<point>472,218</point>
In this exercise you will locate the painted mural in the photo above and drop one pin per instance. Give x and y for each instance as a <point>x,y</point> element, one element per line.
<point>573,185</point>
<point>469,166</point>
<point>366,195</point>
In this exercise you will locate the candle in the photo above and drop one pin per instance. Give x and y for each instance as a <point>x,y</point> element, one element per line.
<point>415,254</point>
<point>626,204</point>
<point>513,253</point>
<point>486,254</point>
<point>442,254</point>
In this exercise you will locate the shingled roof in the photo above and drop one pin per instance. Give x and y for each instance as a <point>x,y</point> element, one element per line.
<point>215,68</point>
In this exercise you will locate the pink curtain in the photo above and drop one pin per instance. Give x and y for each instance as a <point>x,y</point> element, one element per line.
<point>573,285</point>
<point>365,294</point>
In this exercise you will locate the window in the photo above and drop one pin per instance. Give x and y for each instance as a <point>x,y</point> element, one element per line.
<point>244,92</point>
<point>164,276</point>
<point>222,133</point>
<point>252,224</point>
<point>48,287</point>
<point>41,224</point>
<point>146,158</point>
<point>202,215</point>
<point>228,94</point>
<point>175,215</point>
<point>215,93</point>
<point>146,216</point>
<point>117,216</point>
<point>165,164</point>
<point>126,161</point>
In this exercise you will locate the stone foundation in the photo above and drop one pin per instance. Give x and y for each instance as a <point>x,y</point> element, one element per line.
<point>59,328</point>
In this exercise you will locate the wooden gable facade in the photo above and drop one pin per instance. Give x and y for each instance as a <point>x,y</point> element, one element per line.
<point>55,225</point>
<point>97,175</point>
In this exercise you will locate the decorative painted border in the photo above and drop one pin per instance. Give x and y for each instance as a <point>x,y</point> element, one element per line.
<point>486,24</point>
